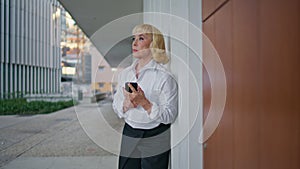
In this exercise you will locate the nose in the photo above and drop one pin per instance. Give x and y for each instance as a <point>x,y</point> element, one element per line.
<point>134,42</point>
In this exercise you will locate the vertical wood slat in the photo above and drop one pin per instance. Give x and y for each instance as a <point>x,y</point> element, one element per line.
<point>279,51</point>
<point>297,96</point>
<point>210,150</point>
<point>224,45</point>
<point>211,6</point>
<point>218,154</point>
<point>245,84</point>
<point>207,7</point>
<point>265,86</point>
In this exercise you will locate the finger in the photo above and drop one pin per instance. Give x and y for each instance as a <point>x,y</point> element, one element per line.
<point>134,104</point>
<point>132,88</point>
<point>125,92</point>
<point>131,97</point>
<point>139,89</point>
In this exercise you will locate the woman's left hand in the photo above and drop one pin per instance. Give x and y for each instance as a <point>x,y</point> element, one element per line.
<point>137,97</point>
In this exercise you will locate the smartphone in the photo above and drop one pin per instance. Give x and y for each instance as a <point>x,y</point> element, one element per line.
<point>127,88</point>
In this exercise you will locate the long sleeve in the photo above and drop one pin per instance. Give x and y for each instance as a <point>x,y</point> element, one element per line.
<point>159,87</point>
<point>118,99</point>
<point>165,110</point>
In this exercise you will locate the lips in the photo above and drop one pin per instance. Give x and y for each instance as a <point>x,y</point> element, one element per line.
<point>134,50</point>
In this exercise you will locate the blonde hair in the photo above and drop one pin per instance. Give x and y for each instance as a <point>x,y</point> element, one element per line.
<point>157,45</point>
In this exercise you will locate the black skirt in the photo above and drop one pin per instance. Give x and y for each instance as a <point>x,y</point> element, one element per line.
<point>148,144</point>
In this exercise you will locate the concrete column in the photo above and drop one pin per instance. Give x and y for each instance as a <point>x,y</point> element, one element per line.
<point>2,80</point>
<point>26,33</point>
<point>12,32</point>
<point>2,23</point>
<point>188,152</point>
<point>30,32</point>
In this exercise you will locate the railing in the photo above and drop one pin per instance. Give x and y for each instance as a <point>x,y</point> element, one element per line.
<point>98,97</point>
<point>48,97</point>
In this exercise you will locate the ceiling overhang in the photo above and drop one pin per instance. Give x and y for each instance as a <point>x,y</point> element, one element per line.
<point>93,15</point>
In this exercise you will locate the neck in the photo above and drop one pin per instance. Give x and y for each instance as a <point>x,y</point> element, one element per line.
<point>142,62</point>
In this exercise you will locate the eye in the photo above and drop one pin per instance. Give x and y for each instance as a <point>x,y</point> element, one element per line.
<point>141,38</point>
<point>133,39</point>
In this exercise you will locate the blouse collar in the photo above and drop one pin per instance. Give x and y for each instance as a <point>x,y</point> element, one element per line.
<point>150,65</point>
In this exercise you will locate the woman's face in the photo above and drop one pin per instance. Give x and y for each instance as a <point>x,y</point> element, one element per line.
<point>140,45</point>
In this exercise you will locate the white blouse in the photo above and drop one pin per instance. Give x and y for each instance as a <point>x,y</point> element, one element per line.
<point>160,89</point>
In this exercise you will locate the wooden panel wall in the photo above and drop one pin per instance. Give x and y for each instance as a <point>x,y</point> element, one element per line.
<point>211,6</point>
<point>259,44</point>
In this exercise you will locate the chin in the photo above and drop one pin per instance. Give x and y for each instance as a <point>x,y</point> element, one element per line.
<point>140,54</point>
<point>136,55</point>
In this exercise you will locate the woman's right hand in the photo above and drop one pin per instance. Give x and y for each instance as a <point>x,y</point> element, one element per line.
<point>127,104</point>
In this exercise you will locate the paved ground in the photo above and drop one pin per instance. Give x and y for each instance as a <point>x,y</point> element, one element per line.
<point>60,140</point>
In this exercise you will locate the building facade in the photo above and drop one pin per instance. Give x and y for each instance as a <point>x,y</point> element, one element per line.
<point>30,47</point>
<point>74,55</point>
<point>103,77</point>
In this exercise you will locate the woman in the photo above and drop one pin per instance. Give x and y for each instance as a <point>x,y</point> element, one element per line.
<point>150,109</point>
